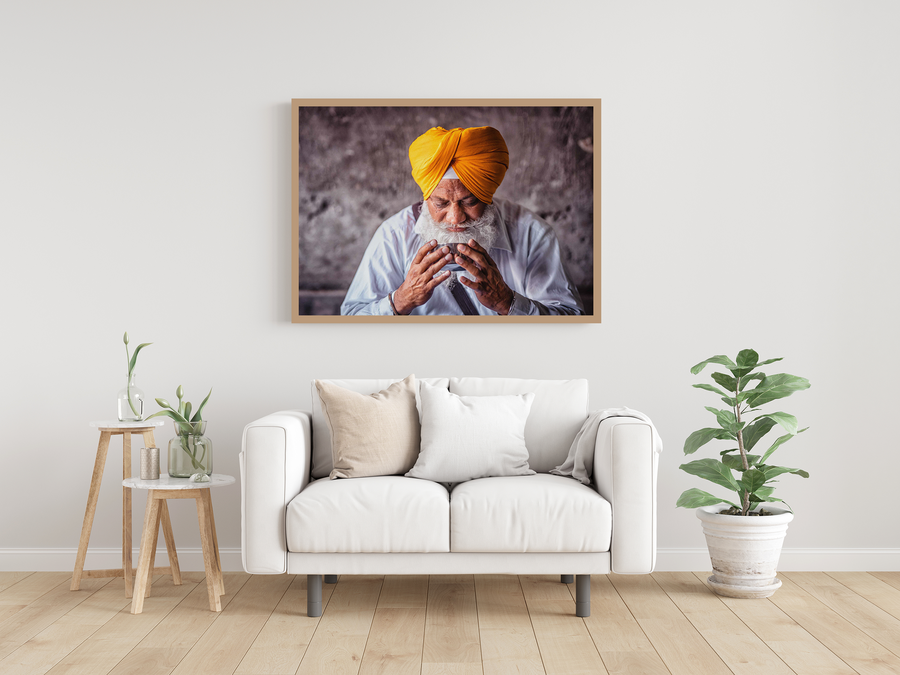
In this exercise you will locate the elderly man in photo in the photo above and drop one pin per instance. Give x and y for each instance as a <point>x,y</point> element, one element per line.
<point>461,251</point>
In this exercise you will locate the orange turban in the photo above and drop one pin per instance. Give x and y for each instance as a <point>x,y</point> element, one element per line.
<point>478,154</point>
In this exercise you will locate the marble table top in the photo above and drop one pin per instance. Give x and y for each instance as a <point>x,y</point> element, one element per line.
<point>167,482</point>
<point>116,424</point>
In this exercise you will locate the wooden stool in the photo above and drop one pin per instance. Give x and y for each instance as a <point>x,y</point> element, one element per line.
<point>107,431</point>
<point>167,487</point>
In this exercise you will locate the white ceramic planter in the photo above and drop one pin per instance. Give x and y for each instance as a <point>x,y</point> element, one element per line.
<point>744,550</point>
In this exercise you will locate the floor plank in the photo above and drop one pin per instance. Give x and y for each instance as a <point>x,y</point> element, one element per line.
<point>854,647</point>
<point>106,647</point>
<point>284,638</point>
<point>508,643</point>
<point>622,644</point>
<point>43,651</point>
<point>802,652</point>
<point>452,644</point>
<point>871,588</point>
<point>869,618</point>
<point>228,639</point>
<point>8,579</point>
<point>741,650</point>
<point>44,608</point>
<point>171,639</point>
<point>339,641</point>
<point>891,578</point>
<point>681,648</point>
<point>563,638</point>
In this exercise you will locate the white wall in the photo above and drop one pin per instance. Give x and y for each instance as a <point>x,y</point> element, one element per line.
<point>750,177</point>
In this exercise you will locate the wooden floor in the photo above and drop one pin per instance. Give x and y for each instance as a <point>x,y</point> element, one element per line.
<point>816,624</point>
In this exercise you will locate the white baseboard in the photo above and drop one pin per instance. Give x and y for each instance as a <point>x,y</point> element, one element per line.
<point>667,559</point>
<point>791,560</point>
<point>63,559</point>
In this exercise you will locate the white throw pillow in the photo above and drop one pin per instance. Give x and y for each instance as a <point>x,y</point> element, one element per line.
<point>374,435</point>
<point>466,437</point>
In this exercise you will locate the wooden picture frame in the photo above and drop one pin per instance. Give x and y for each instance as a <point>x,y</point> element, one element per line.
<point>351,171</point>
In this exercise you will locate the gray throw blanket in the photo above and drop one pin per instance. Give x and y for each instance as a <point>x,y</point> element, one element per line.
<point>580,462</point>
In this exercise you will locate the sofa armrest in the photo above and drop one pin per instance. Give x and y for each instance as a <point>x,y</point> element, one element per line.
<point>275,461</point>
<point>624,473</point>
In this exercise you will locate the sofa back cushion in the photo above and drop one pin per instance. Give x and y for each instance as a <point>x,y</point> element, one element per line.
<point>322,462</point>
<point>559,409</point>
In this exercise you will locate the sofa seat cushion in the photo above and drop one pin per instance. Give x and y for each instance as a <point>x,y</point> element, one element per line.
<point>540,513</point>
<point>378,514</point>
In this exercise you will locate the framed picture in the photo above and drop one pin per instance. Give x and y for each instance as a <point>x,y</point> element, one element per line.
<point>446,211</point>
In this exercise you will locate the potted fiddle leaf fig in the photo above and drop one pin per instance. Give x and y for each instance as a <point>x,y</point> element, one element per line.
<point>744,540</point>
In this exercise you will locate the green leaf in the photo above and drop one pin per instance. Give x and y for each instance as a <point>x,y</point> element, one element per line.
<point>726,419</point>
<point>712,470</point>
<point>196,417</point>
<point>746,362</point>
<point>773,471</point>
<point>135,355</point>
<point>755,431</point>
<point>691,499</point>
<point>747,358</point>
<point>781,440</point>
<point>172,414</point>
<point>788,422</point>
<point>709,387</point>
<point>725,381</point>
<point>749,378</point>
<point>765,363</point>
<point>163,403</point>
<point>774,387</point>
<point>752,480</point>
<point>187,410</point>
<point>735,462</point>
<point>700,438</point>
<point>721,359</point>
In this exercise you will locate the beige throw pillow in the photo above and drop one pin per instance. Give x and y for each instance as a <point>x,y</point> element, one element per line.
<point>372,435</point>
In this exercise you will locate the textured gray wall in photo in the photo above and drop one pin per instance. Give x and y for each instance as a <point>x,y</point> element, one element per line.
<point>354,173</point>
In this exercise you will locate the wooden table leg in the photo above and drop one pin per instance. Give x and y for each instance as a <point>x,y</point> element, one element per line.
<point>209,556</point>
<point>127,541</point>
<point>215,540</point>
<point>170,543</point>
<point>148,541</point>
<point>90,509</point>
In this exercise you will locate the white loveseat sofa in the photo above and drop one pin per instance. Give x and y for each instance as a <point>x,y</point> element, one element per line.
<point>297,520</point>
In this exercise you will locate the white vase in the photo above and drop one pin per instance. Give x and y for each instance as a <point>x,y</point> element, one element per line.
<point>744,550</point>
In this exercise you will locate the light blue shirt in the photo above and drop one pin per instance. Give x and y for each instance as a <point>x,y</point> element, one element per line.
<point>526,253</point>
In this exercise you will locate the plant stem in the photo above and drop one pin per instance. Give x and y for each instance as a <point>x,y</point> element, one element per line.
<point>745,496</point>
<point>128,382</point>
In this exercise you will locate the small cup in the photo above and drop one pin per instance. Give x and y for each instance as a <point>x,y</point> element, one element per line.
<point>149,463</point>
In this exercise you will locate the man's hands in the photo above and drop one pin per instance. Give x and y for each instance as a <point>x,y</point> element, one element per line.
<point>488,284</point>
<point>420,280</point>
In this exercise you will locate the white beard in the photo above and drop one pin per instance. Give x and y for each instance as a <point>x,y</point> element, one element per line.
<point>484,230</point>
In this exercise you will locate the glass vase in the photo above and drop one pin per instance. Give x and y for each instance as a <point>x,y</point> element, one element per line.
<point>190,451</point>
<point>130,401</point>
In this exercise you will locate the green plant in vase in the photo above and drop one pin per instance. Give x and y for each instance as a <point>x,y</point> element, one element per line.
<point>131,399</point>
<point>190,452</point>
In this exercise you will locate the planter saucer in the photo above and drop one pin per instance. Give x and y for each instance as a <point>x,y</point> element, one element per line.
<point>748,592</point>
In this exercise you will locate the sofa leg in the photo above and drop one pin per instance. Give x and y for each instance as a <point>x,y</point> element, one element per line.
<point>313,595</point>
<point>567,578</point>
<point>331,578</point>
<point>582,595</point>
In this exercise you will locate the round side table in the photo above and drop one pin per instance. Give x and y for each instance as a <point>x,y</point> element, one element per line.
<point>158,491</point>
<point>109,429</point>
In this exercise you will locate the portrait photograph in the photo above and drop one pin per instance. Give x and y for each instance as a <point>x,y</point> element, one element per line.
<point>446,210</point>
